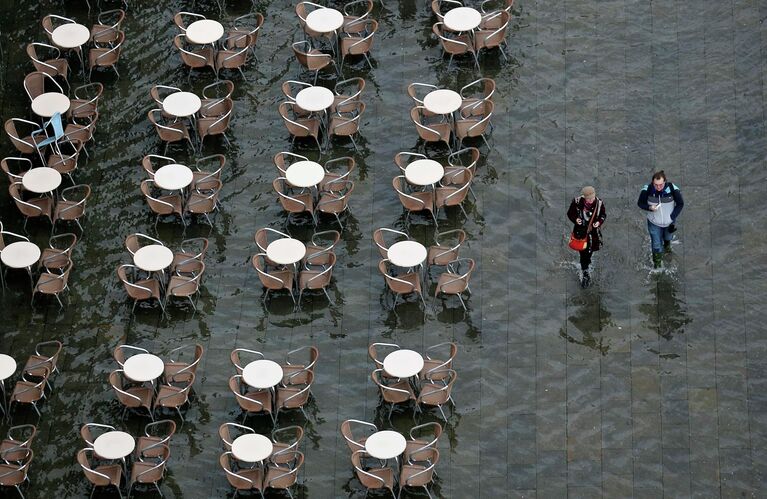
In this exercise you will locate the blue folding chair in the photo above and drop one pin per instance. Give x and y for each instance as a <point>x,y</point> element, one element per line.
<point>58,132</point>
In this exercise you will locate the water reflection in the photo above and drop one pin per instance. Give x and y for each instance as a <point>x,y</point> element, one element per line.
<point>589,319</point>
<point>667,313</point>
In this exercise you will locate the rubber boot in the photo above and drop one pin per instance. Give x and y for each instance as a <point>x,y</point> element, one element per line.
<point>657,260</point>
<point>585,279</point>
<point>667,246</point>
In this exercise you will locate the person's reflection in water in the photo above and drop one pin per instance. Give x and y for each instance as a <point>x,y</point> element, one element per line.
<point>667,314</point>
<point>589,319</point>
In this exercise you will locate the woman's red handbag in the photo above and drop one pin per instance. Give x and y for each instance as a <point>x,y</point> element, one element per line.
<point>580,244</point>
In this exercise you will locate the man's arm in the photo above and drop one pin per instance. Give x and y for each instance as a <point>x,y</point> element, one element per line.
<point>642,201</point>
<point>678,202</point>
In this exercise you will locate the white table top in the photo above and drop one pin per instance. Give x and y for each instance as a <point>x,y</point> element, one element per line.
<point>143,367</point>
<point>262,374</point>
<point>41,179</point>
<point>407,253</point>
<point>181,104</point>
<point>403,363</point>
<point>442,101</point>
<point>114,445</point>
<point>153,257</point>
<point>7,366</point>
<point>324,20</point>
<point>173,177</point>
<point>70,35</point>
<point>305,174</point>
<point>424,172</point>
<point>20,255</point>
<point>462,19</point>
<point>204,31</point>
<point>314,99</point>
<point>286,251</point>
<point>50,103</point>
<point>385,444</point>
<point>252,447</point>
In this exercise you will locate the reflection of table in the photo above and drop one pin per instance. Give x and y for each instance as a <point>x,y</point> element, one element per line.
<point>114,445</point>
<point>304,174</point>
<point>20,255</point>
<point>204,31</point>
<point>50,103</point>
<point>286,251</point>
<point>7,368</point>
<point>262,374</point>
<point>41,180</point>
<point>403,363</point>
<point>462,19</point>
<point>252,447</point>
<point>324,20</point>
<point>385,444</point>
<point>143,367</point>
<point>407,254</point>
<point>70,35</point>
<point>424,172</point>
<point>153,258</point>
<point>173,177</point>
<point>442,101</point>
<point>181,104</point>
<point>314,99</point>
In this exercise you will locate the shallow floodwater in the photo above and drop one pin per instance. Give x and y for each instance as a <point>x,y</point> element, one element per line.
<point>647,384</point>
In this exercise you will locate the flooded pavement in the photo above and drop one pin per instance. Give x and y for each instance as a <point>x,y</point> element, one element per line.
<point>647,384</point>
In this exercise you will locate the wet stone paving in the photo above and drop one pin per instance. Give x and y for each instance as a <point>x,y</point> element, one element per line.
<point>647,384</point>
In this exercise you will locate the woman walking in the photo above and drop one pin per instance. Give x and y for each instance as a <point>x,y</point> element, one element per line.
<point>588,214</point>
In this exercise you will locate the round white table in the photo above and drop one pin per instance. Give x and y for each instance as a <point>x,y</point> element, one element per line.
<point>20,255</point>
<point>114,445</point>
<point>181,104</point>
<point>385,444</point>
<point>252,447</point>
<point>442,101</point>
<point>41,180</point>
<point>7,366</point>
<point>153,257</point>
<point>286,251</point>
<point>173,177</point>
<point>305,174</point>
<point>403,363</point>
<point>424,172</point>
<point>324,20</point>
<point>50,103</point>
<point>407,254</point>
<point>462,19</point>
<point>262,374</point>
<point>70,35</point>
<point>204,31</point>
<point>143,367</point>
<point>314,99</point>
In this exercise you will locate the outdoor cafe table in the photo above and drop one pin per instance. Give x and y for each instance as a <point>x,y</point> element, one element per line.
<point>114,445</point>
<point>50,103</point>
<point>403,363</point>
<point>262,374</point>
<point>462,19</point>
<point>181,104</point>
<point>305,174</point>
<point>204,31</point>
<point>252,448</point>
<point>286,251</point>
<point>385,444</point>
<point>442,101</point>
<point>41,180</point>
<point>143,367</point>
<point>424,172</point>
<point>407,254</point>
<point>153,258</point>
<point>173,177</point>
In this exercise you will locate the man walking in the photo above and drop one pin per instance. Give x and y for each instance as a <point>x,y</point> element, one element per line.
<point>663,202</point>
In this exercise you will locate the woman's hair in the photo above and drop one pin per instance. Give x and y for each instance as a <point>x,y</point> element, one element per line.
<point>660,174</point>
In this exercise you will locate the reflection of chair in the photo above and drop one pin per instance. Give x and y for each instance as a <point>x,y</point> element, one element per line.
<point>456,280</point>
<point>401,284</point>
<point>101,475</point>
<point>242,479</point>
<point>106,57</point>
<point>356,442</point>
<point>139,290</point>
<point>311,58</point>
<point>131,397</point>
<point>415,474</point>
<point>371,477</point>
<point>393,390</point>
